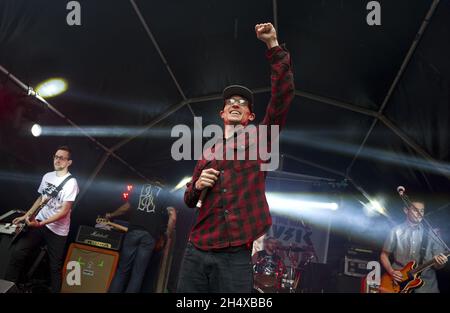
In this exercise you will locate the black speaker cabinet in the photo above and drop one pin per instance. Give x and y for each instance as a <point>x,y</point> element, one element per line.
<point>348,284</point>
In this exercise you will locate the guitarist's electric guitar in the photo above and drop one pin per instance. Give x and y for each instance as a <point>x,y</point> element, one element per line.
<point>21,228</point>
<point>103,221</point>
<point>411,278</point>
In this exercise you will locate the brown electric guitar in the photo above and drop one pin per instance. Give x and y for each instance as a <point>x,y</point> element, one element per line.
<point>411,278</point>
<point>103,221</point>
<point>31,216</point>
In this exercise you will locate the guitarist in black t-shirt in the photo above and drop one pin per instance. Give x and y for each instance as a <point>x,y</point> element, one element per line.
<point>152,220</point>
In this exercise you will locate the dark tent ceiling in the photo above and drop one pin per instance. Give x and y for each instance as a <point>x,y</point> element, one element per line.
<point>371,101</point>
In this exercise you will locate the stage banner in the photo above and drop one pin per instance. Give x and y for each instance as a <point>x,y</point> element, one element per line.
<point>298,241</point>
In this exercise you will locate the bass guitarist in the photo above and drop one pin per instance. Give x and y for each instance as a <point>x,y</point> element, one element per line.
<point>151,217</point>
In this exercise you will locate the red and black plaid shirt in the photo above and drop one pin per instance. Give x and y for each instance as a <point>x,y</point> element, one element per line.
<point>235,211</point>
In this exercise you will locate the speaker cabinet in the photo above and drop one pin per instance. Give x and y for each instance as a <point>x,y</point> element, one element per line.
<point>7,287</point>
<point>93,271</point>
<point>349,284</point>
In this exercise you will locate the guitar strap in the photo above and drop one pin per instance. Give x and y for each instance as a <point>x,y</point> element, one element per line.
<point>424,244</point>
<point>54,194</point>
<point>60,186</point>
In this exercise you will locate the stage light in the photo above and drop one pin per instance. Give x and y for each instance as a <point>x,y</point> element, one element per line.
<point>104,132</point>
<point>322,143</point>
<point>51,87</point>
<point>36,130</point>
<point>281,201</point>
<point>377,206</point>
<point>373,207</point>
<point>182,183</point>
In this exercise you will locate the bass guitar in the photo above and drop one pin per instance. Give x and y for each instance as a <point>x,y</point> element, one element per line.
<point>103,221</point>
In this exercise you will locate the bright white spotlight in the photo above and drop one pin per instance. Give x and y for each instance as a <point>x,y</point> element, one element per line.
<point>36,130</point>
<point>290,202</point>
<point>377,206</point>
<point>319,205</point>
<point>182,183</point>
<point>51,87</point>
<point>373,208</point>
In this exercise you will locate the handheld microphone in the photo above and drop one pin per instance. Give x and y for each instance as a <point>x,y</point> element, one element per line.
<point>201,198</point>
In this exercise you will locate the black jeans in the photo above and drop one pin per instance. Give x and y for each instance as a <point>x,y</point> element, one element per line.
<point>216,271</point>
<point>27,244</point>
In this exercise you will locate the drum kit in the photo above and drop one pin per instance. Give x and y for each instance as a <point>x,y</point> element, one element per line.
<point>271,276</point>
<point>268,275</point>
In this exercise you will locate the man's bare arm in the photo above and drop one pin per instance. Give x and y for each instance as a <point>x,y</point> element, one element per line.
<point>35,205</point>
<point>120,211</point>
<point>384,258</point>
<point>172,221</point>
<point>66,207</point>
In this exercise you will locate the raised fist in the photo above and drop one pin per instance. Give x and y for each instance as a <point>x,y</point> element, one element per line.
<point>267,33</point>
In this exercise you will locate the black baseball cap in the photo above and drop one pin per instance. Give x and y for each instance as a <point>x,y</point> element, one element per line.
<point>238,90</point>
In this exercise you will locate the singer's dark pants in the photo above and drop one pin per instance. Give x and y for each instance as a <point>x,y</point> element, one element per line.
<point>26,245</point>
<point>219,271</point>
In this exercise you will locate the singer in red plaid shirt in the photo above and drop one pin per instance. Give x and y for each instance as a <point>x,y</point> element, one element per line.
<point>234,211</point>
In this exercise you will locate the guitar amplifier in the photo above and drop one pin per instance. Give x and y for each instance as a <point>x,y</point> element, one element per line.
<point>99,237</point>
<point>96,269</point>
<point>356,259</point>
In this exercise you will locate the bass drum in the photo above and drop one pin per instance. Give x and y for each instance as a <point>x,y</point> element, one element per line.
<point>267,275</point>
